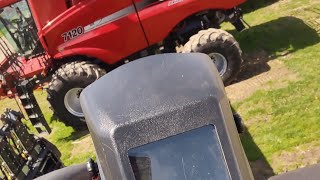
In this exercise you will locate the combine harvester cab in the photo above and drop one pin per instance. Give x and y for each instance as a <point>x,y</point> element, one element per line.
<point>22,58</point>
<point>22,54</point>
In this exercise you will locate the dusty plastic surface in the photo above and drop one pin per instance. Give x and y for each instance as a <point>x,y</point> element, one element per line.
<point>77,172</point>
<point>153,98</point>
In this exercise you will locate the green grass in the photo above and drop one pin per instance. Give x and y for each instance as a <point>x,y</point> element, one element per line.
<point>280,120</point>
<point>63,136</point>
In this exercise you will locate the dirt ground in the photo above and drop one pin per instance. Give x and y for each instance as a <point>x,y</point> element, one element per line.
<point>297,157</point>
<point>259,73</point>
<point>83,145</point>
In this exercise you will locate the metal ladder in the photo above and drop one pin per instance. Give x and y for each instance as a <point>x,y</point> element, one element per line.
<point>31,106</point>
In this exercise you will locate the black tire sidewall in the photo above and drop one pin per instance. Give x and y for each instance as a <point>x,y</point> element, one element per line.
<point>58,101</point>
<point>230,52</point>
<point>59,88</point>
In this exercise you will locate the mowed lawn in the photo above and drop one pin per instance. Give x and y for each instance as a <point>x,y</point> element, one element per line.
<point>283,122</point>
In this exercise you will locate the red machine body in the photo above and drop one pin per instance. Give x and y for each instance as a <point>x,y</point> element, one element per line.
<point>111,30</point>
<point>4,3</point>
<point>106,30</point>
<point>30,68</point>
<point>78,41</point>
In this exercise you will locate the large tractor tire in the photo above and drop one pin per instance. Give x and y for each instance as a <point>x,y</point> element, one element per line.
<point>221,47</point>
<point>65,88</point>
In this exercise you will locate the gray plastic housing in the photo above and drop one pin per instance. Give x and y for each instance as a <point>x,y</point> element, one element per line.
<point>154,98</point>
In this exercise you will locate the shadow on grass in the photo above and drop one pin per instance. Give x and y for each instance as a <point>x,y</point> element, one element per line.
<point>270,40</point>
<point>75,135</point>
<point>261,169</point>
<point>252,5</point>
<point>53,118</point>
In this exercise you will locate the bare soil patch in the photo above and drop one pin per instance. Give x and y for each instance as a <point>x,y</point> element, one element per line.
<point>298,157</point>
<point>276,76</point>
<point>82,146</point>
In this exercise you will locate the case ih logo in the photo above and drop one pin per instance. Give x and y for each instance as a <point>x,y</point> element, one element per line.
<point>173,2</point>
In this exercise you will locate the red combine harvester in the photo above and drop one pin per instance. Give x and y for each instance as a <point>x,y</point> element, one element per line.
<point>75,42</point>
<point>23,60</point>
<point>22,56</point>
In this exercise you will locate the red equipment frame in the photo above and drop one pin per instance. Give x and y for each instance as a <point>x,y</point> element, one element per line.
<point>107,30</point>
<point>112,30</point>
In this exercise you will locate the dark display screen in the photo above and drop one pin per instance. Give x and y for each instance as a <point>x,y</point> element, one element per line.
<point>195,154</point>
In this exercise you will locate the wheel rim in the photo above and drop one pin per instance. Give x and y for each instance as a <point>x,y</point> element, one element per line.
<point>220,61</point>
<point>72,102</point>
